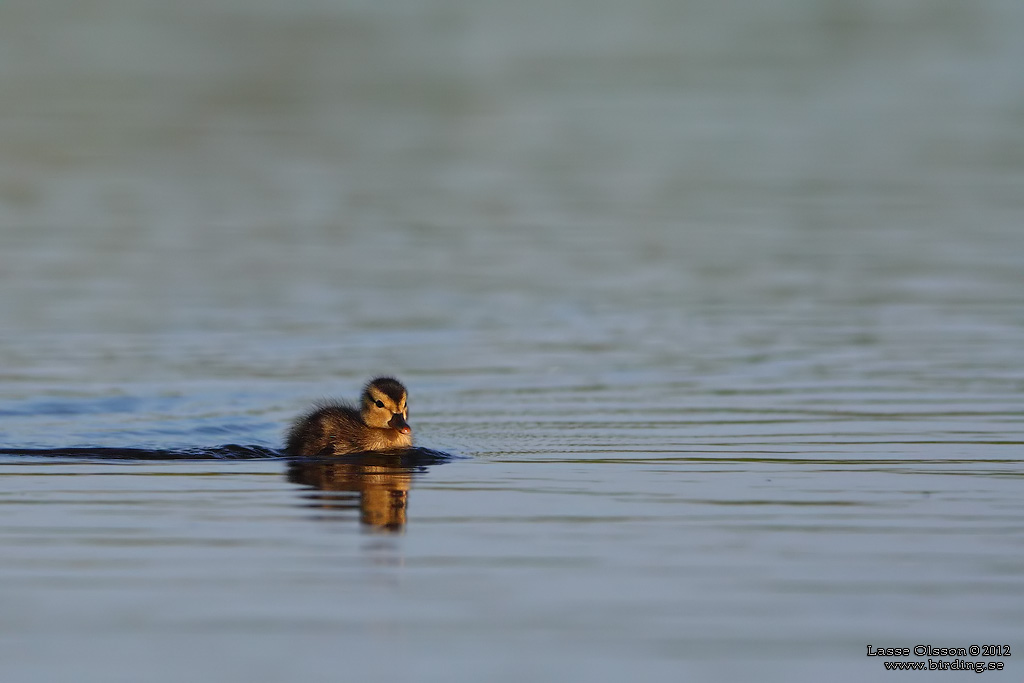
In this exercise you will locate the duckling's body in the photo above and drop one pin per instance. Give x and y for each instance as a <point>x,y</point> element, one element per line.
<point>378,424</point>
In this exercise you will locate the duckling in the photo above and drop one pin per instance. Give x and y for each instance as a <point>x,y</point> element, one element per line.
<point>379,423</point>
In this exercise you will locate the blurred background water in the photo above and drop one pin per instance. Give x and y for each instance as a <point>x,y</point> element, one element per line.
<point>720,306</point>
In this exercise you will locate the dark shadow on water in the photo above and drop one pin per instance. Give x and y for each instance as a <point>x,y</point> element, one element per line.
<point>227,452</point>
<point>375,484</point>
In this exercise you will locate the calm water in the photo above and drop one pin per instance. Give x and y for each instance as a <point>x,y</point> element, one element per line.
<point>716,308</point>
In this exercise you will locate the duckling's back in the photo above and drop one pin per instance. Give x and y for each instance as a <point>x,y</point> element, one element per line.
<point>330,429</point>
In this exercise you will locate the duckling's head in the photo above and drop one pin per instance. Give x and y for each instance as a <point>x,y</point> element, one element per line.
<point>384,405</point>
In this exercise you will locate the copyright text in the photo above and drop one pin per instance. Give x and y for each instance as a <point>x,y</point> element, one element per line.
<point>932,663</point>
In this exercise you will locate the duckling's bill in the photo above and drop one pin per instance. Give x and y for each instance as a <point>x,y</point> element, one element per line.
<point>398,423</point>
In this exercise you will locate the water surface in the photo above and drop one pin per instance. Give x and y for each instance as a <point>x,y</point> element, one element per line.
<point>715,307</point>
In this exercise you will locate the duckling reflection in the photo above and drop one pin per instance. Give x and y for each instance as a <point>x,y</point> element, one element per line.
<point>379,481</point>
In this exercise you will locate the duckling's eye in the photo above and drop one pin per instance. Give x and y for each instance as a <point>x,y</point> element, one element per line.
<point>380,404</point>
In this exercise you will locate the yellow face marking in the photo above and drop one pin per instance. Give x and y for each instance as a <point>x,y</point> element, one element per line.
<point>377,395</point>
